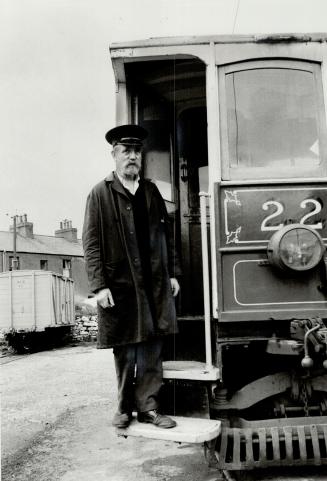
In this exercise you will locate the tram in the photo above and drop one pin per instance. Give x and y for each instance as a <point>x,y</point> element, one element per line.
<point>237,146</point>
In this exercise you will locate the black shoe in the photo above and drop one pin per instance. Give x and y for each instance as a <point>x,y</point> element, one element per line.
<point>157,419</point>
<point>121,420</point>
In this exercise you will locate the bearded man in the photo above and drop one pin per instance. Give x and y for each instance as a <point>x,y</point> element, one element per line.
<point>132,270</point>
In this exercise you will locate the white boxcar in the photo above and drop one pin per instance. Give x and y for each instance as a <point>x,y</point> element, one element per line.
<point>34,300</point>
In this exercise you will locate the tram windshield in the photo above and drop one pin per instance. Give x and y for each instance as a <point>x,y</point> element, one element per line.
<point>273,119</point>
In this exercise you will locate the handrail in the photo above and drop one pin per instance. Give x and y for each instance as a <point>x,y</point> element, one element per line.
<point>205,274</point>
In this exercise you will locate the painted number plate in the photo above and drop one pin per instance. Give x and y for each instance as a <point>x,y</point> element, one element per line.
<point>250,215</point>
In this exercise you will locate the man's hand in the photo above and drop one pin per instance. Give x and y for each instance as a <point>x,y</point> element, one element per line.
<point>104,298</point>
<point>174,286</point>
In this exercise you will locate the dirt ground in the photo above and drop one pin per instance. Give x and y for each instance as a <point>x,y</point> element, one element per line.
<point>56,411</point>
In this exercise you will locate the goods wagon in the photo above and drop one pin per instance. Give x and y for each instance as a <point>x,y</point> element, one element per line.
<point>33,302</point>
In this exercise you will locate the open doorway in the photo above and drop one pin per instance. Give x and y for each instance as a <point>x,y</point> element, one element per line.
<point>168,98</point>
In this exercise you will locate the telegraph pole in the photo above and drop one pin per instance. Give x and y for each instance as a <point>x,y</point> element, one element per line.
<point>14,260</point>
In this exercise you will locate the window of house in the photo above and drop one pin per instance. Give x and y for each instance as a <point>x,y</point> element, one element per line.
<point>43,264</point>
<point>272,119</point>
<point>12,263</point>
<point>66,263</point>
<point>66,267</point>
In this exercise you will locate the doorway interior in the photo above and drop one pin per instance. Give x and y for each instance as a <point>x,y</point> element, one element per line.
<point>168,98</point>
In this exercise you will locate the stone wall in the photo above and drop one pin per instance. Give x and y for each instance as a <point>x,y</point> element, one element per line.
<point>86,328</point>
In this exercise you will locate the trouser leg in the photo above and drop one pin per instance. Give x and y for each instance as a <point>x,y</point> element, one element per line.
<point>125,358</point>
<point>148,374</point>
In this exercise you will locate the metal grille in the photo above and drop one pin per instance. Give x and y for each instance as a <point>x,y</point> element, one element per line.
<point>248,448</point>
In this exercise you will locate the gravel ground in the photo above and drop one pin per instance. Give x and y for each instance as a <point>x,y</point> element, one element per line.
<point>57,408</point>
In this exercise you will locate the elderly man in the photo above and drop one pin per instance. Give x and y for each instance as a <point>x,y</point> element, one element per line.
<point>132,270</point>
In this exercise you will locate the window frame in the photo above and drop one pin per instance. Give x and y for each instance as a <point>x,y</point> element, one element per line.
<point>66,263</point>
<point>256,173</point>
<point>11,263</point>
<point>44,264</point>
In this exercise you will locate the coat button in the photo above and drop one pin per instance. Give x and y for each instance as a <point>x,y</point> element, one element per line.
<point>128,207</point>
<point>131,232</point>
<point>136,259</point>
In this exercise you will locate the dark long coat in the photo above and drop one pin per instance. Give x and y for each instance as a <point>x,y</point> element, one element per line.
<point>113,260</point>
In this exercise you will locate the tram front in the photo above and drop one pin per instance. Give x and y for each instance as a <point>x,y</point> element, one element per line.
<point>242,119</point>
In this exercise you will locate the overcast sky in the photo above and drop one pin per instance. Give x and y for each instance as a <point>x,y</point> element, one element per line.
<point>57,86</point>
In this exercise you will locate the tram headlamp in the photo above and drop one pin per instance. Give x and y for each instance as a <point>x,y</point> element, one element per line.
<point>297,247</point>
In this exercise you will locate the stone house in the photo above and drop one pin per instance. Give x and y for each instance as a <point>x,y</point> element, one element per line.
<point>61,253</point>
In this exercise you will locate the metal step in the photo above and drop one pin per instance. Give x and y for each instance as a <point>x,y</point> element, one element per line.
<point>249,448</point>
<point>191,370</point>
<point>188,430</point>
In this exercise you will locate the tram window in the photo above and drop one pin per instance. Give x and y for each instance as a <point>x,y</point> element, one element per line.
<point>158,168</point>
<point>158,148</point>
<point>273,121</point>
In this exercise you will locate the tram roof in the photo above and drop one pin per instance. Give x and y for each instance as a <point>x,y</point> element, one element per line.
<point>202,40</point>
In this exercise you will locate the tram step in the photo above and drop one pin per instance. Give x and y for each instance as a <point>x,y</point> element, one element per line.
<point>192,370</point>
<point>188,430</point>
<point>274,446</point>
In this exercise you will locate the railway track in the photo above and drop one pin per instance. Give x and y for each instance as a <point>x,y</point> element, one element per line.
<point>8,358</point>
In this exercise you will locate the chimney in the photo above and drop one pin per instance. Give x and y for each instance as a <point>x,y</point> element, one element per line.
<point>23,227</point>
<point>67,231</point>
